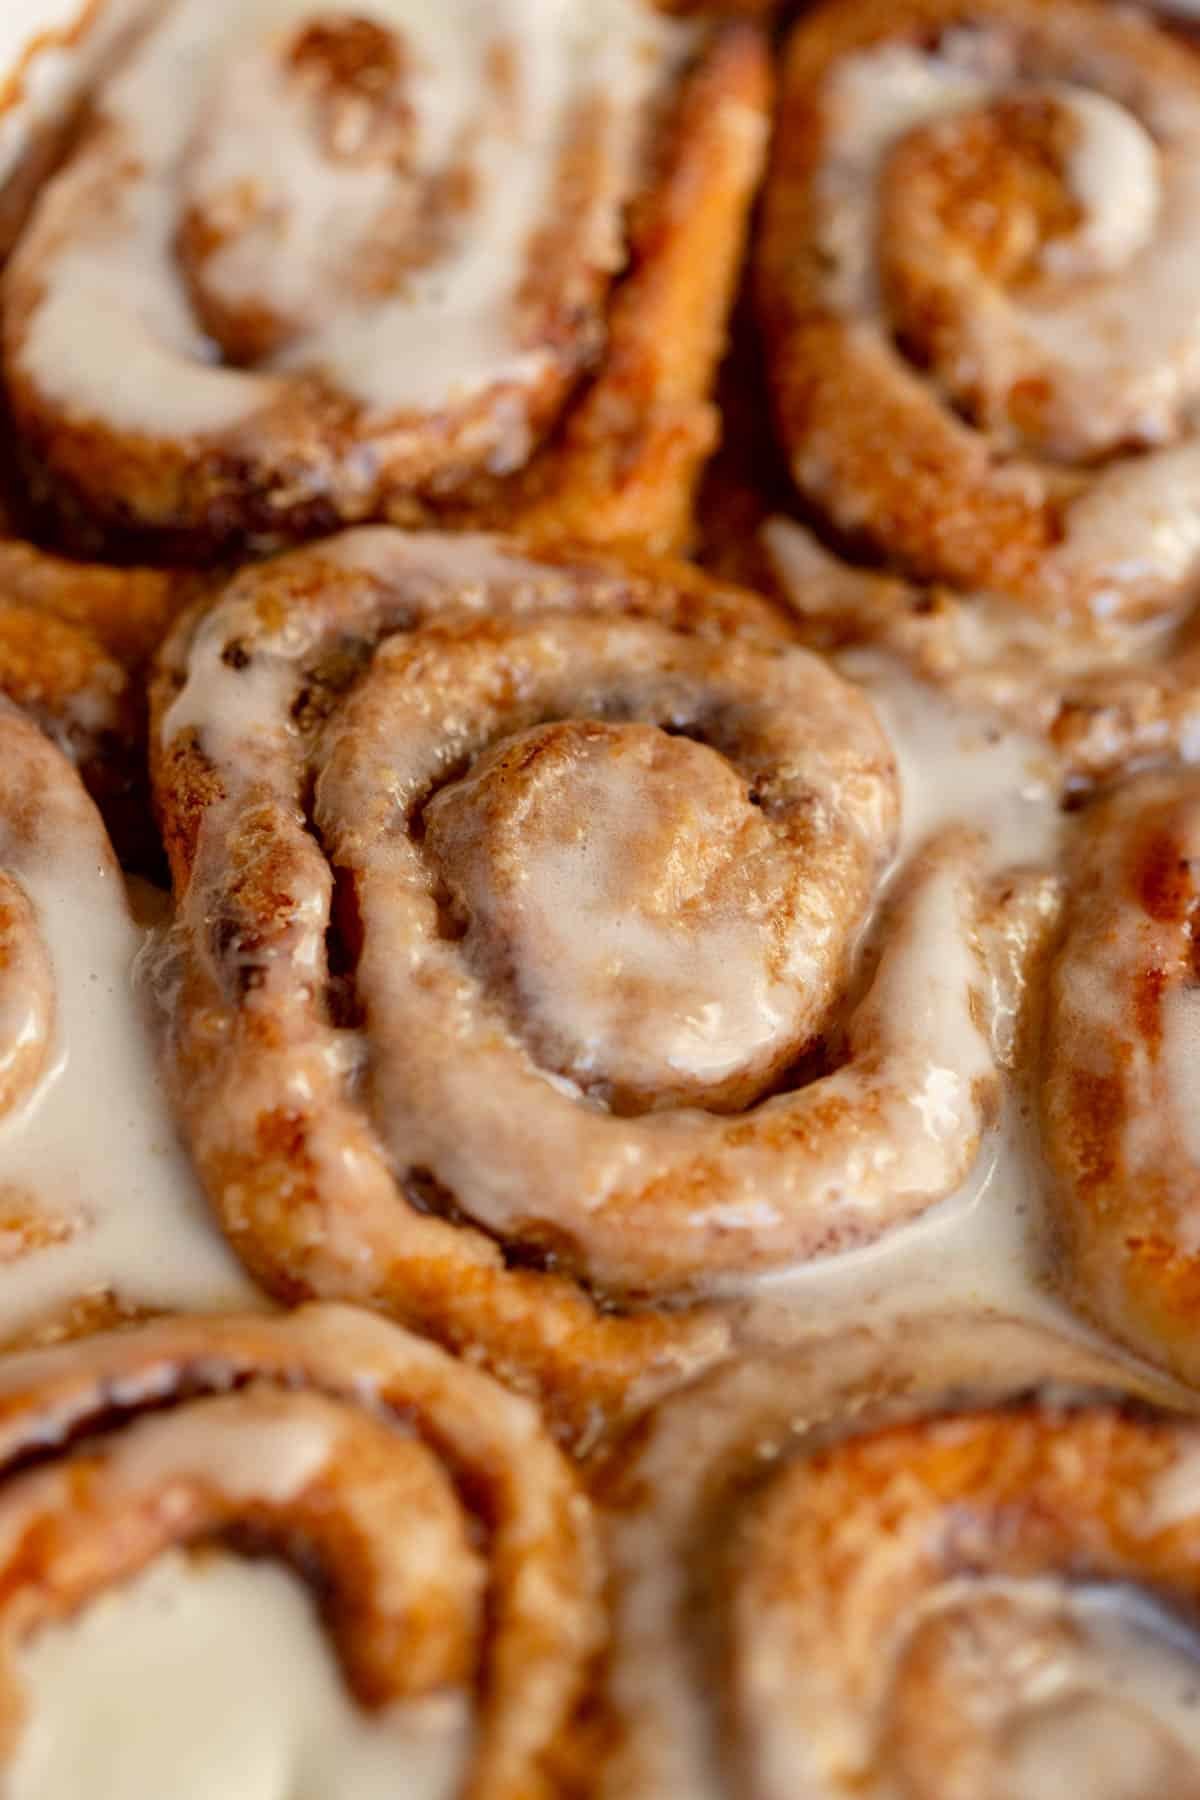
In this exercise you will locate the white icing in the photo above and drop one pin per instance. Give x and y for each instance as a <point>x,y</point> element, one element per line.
<point>22,26</point>
<point>961,768</point>
<point>634,943</point>
<point>270,1457</point>
<point>716,1005</point>
<point>1103,1708</point>
<point>1175,1499</point>
<point>240,711</point>
<point>1113,170</point>
<point>1136,525</point>
<point>1117,356</point>
<point>874,99</point>
<point>985,1246</point>
<point>213,1680</point>
<point>94,1155</point>
<point>115,337</point>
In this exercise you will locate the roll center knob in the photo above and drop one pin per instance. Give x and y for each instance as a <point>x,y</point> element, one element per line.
<point>624,889</point>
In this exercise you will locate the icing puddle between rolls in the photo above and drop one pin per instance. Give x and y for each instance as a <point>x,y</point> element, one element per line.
<point>96,1196</point>
<point>986,1247</point>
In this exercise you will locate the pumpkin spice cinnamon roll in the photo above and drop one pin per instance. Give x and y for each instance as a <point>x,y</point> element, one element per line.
<point>308,1554</point>
<point>100,1216</point>
<point>459,265</point>
<point>950,1559</point>
<point>1122,1065</point>
<point>516,987</point>
<point>979,287</point>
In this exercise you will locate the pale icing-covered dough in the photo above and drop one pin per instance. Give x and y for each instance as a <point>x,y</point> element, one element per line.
<point>115,336</point>
<point>641,914</point>
<point>1107,335</point>
<point>1119,354</point>
<point>95,1151</point>
<point>955,771</point>
<point>1078,1688</point>
<point>212,1676</point>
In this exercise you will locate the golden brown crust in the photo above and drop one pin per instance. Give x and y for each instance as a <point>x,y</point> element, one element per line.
<point>125,610</point>
<point>925,478</point>
<point>625,452</point>
<point>807,1545</point>
<point>504,1608</point>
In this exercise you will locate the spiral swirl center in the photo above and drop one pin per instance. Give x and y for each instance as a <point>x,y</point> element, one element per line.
<point>318,206</point>
<point>628,890</point>
<point>995,220</point>
<point>1036,1690</point>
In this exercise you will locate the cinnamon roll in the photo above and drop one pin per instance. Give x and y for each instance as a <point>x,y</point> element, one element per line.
<point>449,265</point>
<point>888,1564</point>
<point>313,1553</point>
<point>516,987</point>
<point>1119,1094</point>
<point>979,289</point>
<point>100,1216</point>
